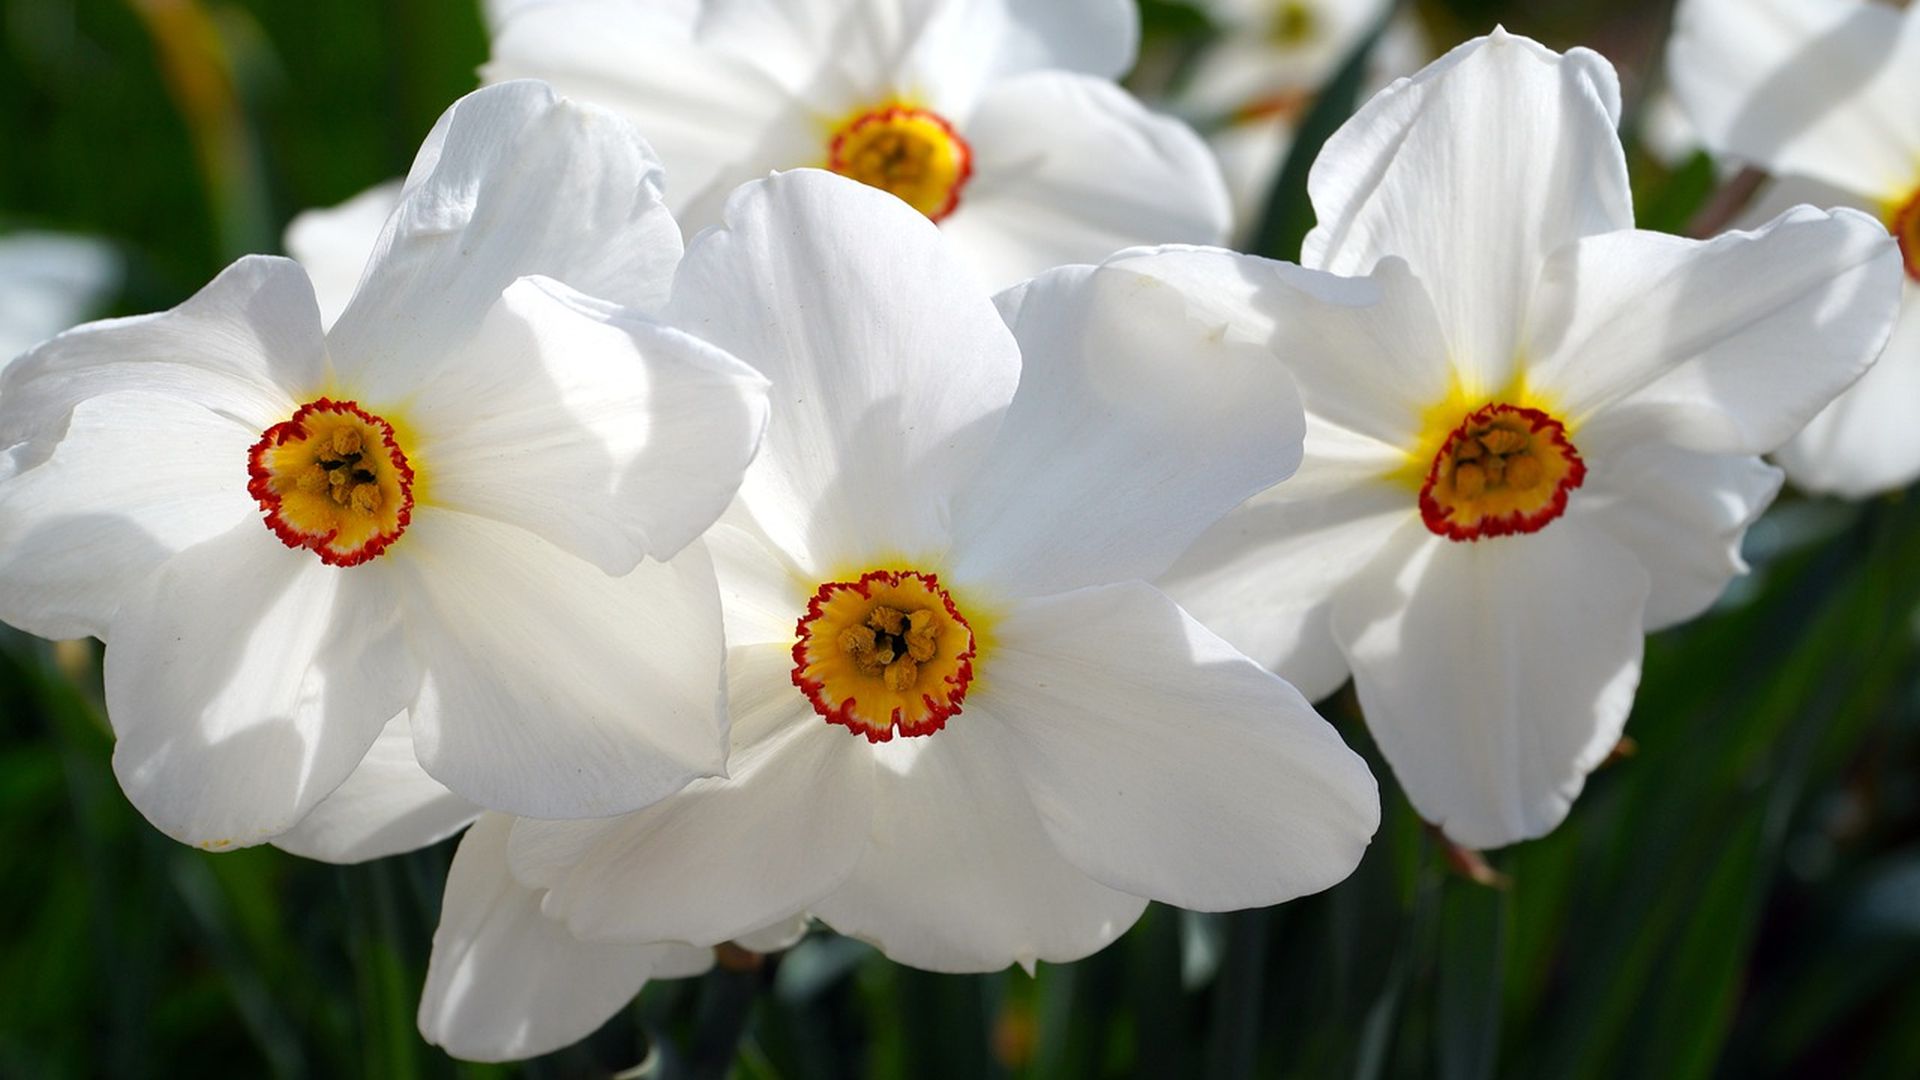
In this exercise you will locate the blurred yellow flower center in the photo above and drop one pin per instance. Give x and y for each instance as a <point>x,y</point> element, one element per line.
<point>888,652</point>
<point>333,480</point>
<point>910,152</point>
<point>1294,24</point>
<point>1905,224</point>
<point>1506,469</point>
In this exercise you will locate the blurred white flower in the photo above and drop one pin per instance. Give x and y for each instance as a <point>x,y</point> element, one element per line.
<point>1536,443</point>
<point>1825,95</point>
<point>288,538</point>
<point>963,728</point>
<point>997,118</point>
<point>1251,88</point>
<point>333,245</point>
<point>508,982</point>
<point>48,282</point>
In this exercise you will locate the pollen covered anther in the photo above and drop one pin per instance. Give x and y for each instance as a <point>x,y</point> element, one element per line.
<point>333,480</point>
<point>913,153</point>
<point>887,653</point>
<point>1506,469</point>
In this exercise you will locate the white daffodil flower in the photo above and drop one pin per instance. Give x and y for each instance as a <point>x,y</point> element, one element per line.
<point>1825,95</point>
<point>48,282</point>
<point>467,502</point>
<point>1537,442</point>
<point>963,728</point>
<point>507,982</point>
<point>997,118</point>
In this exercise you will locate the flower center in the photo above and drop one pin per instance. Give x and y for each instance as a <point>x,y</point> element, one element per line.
<point>1905,225</point>
<point>910,152</point>
<point>889,651</point>
<point>332,479</point>
<point>1293,24</point>
<point>1506,469</point>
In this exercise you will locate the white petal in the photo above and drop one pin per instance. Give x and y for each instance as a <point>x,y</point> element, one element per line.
<point>1264,577</point>
<point>1167,765</point>
<point>138,478</point>
<point>1069,169</point>
<point>1495,674</point>
<point>1820,88</point>
<point>513,181</point>
<point>595,427</point>
<point>1318,324</point>
<point>779,937</point>
<point>762,595</point>
<point>960,875</point>
<point>505,982</point>
<point>1866,442</point>
<point>969,44</point>
<point>246,680</point>
<point>551,689</point>
<point>1727,345</point>
<point>1137,424</point>
<point>1474,170</point>
<point>715,101</point>
<point>334,244</point>
<point>388,806</point>
<point>1683,515</point>
<point>724,857</point>
<point>247,346</point>
<point>48,282</point>
<point>889,362</point>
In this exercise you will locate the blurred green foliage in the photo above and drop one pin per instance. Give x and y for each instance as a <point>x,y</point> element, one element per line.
<point>1739,897</point>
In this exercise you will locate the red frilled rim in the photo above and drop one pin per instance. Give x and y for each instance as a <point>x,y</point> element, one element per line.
<point>1906,229</point>
<point>938,709</point>
<point>963,151</point>
<point>1439,518</point>
<point>293,429</point>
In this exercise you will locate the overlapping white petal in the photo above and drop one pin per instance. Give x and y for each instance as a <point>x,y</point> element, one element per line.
<point>674,422</point>
<point>551,689</point>
<point>1164,763</point>
<point>1683,515</point>
<point>81,531</point>
<point>1823,89</point>
<point>507,982</point>
<point>725,856</point>
<point>959,874</point>
<point>1866,441</point>
<point>1724,346</point>
<point>246,346</point>
<point>238,708</point>
<point>1431,170</point>
<point>387,806</point>
<point>891,367</point>
<point>513,181</point>
<point>1137,422</point>
<point>1495,675</point>
<point>1050,190</point>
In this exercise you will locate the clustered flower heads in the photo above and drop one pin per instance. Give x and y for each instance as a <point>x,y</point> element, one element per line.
<point>800,575</point>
